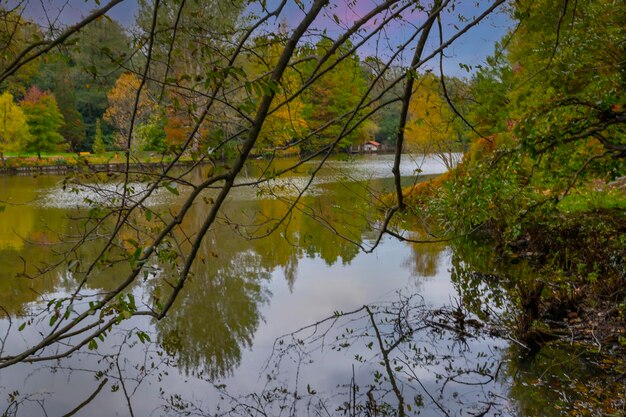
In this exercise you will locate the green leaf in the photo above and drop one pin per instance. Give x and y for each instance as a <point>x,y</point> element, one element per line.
<point>143,337</point>
<point>171,189</point>
<point>131,302</point>
<point>93,345</point>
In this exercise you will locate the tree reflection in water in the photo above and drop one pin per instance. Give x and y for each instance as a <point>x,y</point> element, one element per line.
<point>217,317</point>
<point>407,357</point>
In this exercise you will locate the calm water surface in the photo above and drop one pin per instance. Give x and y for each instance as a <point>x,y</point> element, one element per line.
<point>240,339</point>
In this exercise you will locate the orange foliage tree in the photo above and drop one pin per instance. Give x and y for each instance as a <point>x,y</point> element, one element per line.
<point>121,100</point>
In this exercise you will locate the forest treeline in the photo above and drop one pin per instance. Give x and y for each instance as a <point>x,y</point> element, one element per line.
<point>81,96</point>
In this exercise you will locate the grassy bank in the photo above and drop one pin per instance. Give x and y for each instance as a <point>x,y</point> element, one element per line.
<point>568,231</point>
<point>62,162</point>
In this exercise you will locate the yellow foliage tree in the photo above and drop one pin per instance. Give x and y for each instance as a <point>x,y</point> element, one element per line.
<point>431,129</point>
<point>285,124</point>
<point>367,131</point>
<point>286,121</point>
<point>13,125</point>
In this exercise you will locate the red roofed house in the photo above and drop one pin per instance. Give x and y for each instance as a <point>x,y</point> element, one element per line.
<point>371,146</point>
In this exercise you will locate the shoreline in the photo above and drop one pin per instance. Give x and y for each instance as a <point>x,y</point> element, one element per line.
<point>54,165</point>
<point>59,169</point>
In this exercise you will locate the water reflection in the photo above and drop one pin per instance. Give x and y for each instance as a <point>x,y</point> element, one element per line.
<point>219,310</point>
<point>217,316</point>
<point>245,292</point>
<point>566,380</point>
<point>560,379</point>
<point>214,321</point>
<point>27,235</point>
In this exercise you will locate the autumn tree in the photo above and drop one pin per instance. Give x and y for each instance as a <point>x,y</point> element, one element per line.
<point>285,122</point>
<point>44,121</point>
<point>13,125</point>
<point>121,112</point>
<point>332,97</point>
<point>431,127</point>
<point>176,130</point>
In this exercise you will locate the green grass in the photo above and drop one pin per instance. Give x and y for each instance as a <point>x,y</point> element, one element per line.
<point>43,154</point>
<point>23,159</point>
<point>583,201</point>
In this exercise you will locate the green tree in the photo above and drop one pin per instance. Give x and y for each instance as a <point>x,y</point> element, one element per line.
<point>44,121</point>
<point>568,103</point>
<point>73,129</point>
<point>98,142</point>
<point>333,97</point>
<point>552,102</point>
<point>13,125</point>
<point>100,49</point>
<point>16,33</point>
<point>151,135</point>
<point>488,91</point>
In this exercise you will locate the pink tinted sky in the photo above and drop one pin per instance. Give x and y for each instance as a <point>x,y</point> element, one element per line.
<point>472,49</point>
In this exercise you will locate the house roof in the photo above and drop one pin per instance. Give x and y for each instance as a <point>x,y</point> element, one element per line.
<point>373,142</point>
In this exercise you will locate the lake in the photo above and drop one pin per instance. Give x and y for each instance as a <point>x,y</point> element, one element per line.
<point>299,322</point>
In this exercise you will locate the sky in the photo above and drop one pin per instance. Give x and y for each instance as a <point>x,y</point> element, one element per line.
<point>472,49</point>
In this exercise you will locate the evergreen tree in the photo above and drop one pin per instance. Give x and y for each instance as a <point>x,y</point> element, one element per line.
<point>98,142</point>
<point>73,130</point>
<point>100,49</point>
